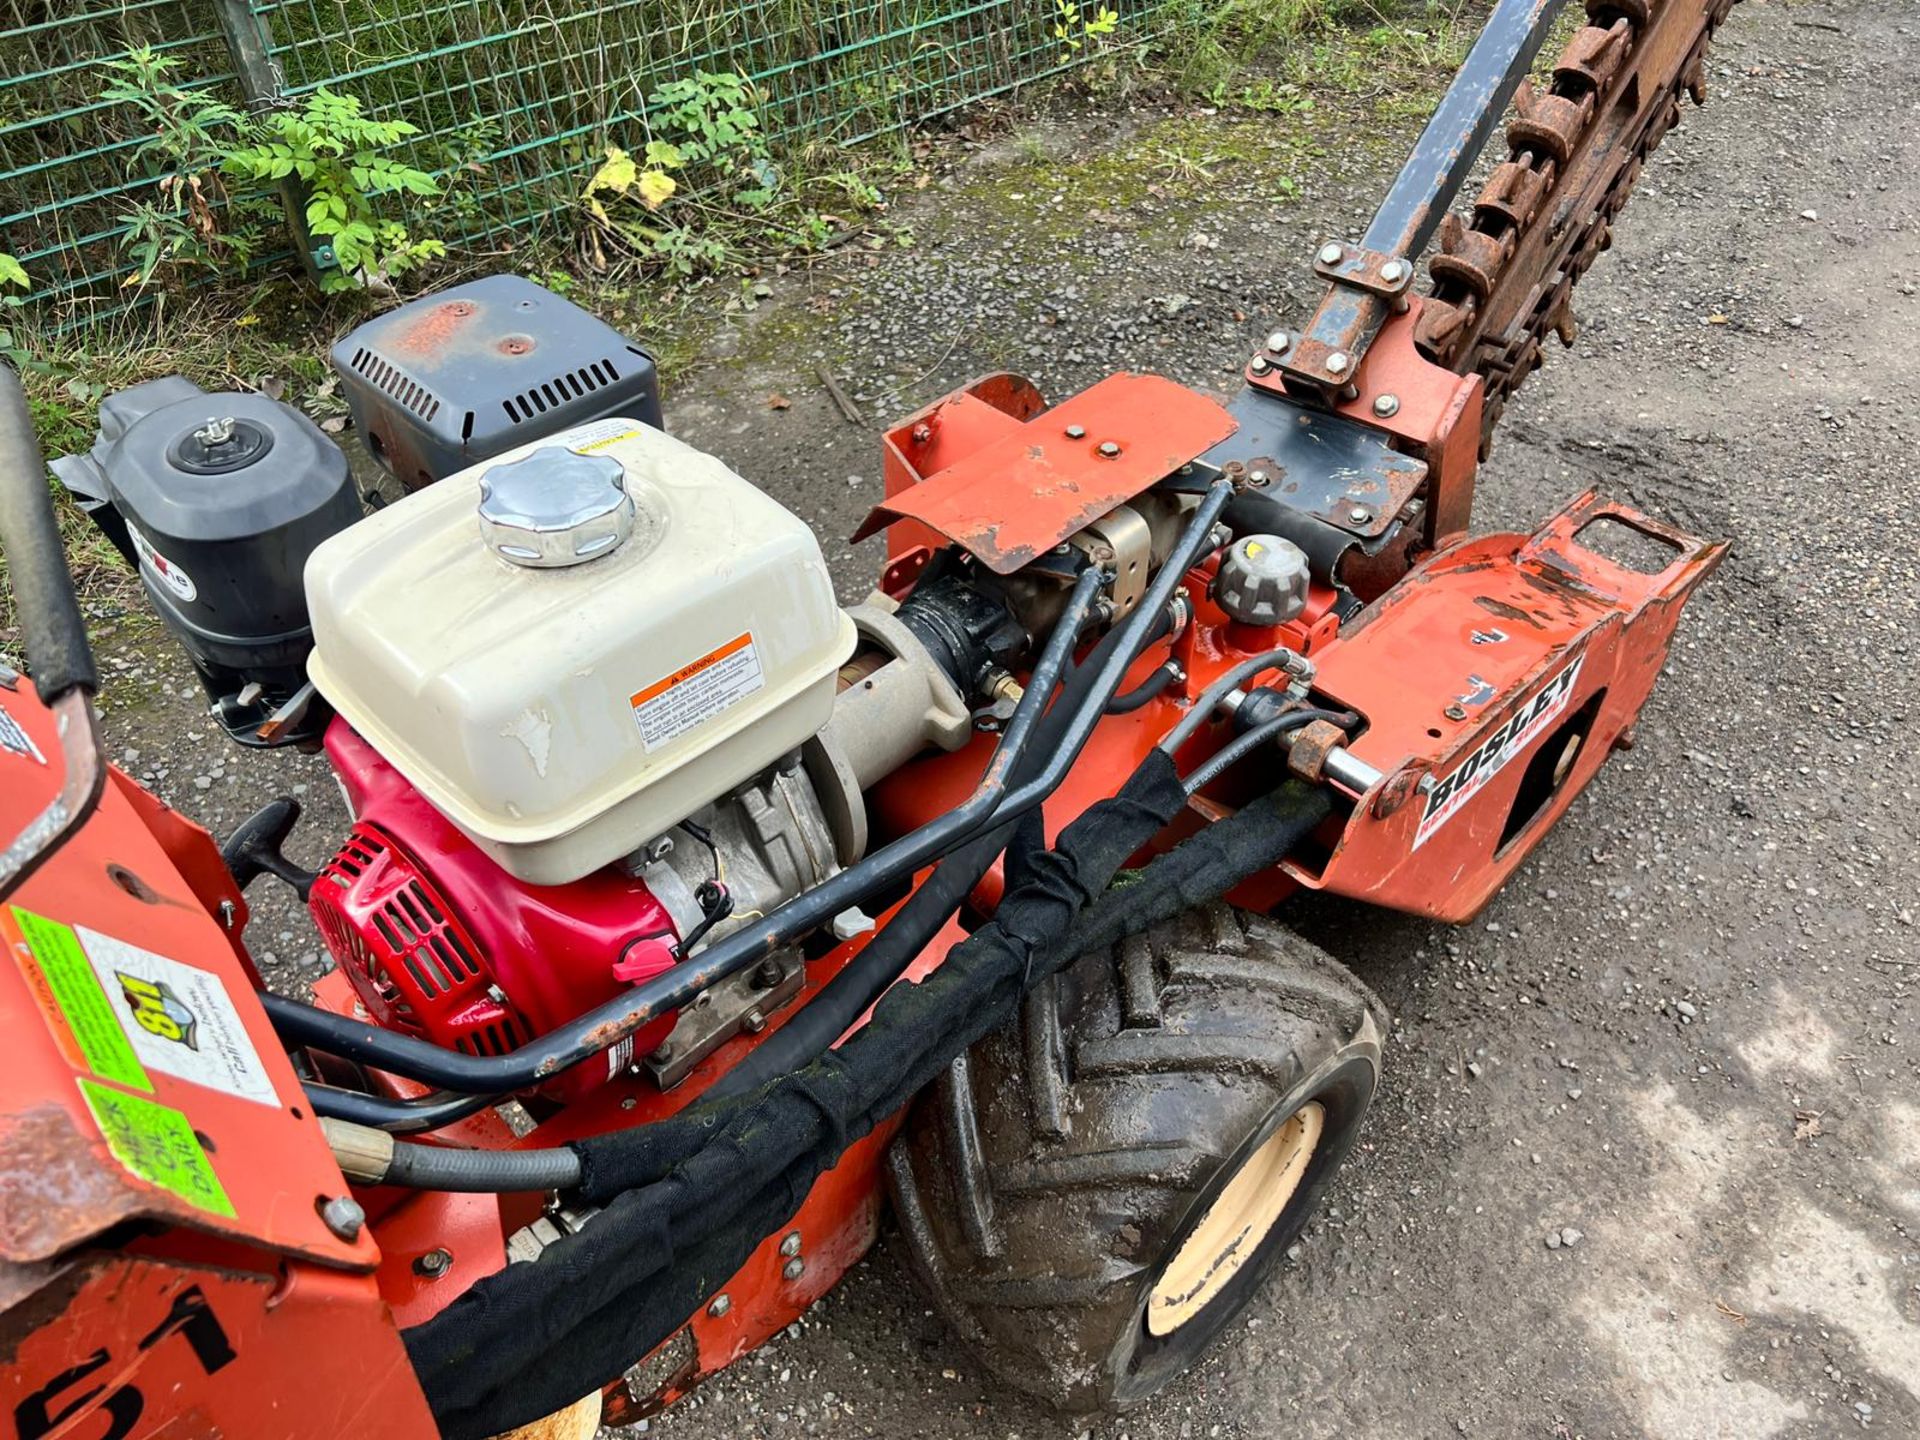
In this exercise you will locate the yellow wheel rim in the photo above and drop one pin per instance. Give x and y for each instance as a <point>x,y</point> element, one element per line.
<point>1241,1216</point>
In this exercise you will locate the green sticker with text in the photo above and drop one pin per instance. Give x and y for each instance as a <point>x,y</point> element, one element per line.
<point>155,1142</point>
<point>75,989</point>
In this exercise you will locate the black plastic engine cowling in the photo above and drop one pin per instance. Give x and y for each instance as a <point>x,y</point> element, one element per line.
<point>452,379</point>
<point>217,501</point>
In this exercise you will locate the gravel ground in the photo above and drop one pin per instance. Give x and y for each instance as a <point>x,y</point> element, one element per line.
<point>1646,1160</point>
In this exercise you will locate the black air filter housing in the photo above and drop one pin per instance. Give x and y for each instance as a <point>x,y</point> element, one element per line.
<point>218,500</point>
<point>456,378</point>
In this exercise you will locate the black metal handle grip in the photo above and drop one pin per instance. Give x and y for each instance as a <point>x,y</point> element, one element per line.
<point>56,638</point>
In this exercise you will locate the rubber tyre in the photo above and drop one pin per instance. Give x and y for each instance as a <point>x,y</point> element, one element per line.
<point>1046,1181</point>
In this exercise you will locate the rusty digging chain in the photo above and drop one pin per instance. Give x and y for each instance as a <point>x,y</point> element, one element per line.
<point>1504,279</point>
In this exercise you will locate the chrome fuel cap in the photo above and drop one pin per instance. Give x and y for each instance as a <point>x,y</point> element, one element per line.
<point>555,507</point>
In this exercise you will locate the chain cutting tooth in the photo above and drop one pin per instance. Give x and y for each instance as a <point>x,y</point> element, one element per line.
<point>1595,55</point>
<point>1551,143</point>
<point>1551,125</point>
<point>1513,194</point>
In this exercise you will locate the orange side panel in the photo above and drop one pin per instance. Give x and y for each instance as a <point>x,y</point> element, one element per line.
<point>1487,657</point>
<point>131,1347</point>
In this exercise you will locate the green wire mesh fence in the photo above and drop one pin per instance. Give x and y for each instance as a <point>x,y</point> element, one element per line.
<point>515,100</point>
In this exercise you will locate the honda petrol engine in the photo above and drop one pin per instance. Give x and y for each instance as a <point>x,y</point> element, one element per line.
<point>587,720</point>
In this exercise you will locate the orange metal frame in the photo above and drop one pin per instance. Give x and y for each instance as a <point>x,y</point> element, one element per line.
<point>1487,656</point>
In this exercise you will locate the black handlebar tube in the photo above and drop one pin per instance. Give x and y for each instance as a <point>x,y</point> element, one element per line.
<point>596,1031</point>
<point>57,653</point>
<point>56,637</point>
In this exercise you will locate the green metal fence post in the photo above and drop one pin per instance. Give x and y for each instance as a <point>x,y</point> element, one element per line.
<point>249,42</point>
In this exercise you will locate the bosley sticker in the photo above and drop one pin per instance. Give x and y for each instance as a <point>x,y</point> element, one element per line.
<point>1491,755</point>
<point>697,691</point>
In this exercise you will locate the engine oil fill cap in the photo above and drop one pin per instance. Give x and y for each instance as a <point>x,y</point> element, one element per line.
<point>555,507</point>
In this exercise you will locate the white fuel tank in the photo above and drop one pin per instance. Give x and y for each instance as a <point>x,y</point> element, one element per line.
<point>570,648</point>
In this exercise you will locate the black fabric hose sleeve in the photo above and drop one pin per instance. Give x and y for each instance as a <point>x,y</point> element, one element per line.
<point>1205,866</point>
<point>1200,869</point>
<point>57,653</point>
<point>844,999</point>
<point>505,1352</point>
<point>439,1167</point>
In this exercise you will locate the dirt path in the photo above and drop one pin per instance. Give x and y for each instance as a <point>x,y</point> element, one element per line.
<point>1685,1031</point>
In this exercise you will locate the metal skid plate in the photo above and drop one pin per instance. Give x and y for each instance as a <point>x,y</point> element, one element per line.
<point>1040,482</point>
<point>1331,468</point>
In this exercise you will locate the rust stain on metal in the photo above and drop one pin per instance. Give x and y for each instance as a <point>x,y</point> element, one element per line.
<point>1507,611</point>
<point>57,1187</point>
<point>1307,755</point>
<point>433,329</point>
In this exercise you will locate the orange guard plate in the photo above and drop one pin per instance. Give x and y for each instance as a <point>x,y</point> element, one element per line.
<point>1014,499</point>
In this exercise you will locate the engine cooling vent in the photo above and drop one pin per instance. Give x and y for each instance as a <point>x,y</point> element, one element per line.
<point>409,392</point>
<point>449,380</point>
<point>559,391</point>
<point>407,956</point>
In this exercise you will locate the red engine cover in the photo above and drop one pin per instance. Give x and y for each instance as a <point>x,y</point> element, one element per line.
<point>440,942</point>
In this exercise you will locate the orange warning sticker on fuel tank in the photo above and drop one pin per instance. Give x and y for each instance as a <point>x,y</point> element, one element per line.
<point>697,691</point>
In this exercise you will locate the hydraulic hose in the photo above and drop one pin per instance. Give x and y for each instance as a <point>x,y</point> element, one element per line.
<point>608,1024</point>
<point>1200,868</point>
<point>369,1156</point>
<point>861,982</point>
<point>1143,693</point>
<point>990,805</point>
<point>1210,698</point>
<point>438,1167</point>
<point>1241,746</point>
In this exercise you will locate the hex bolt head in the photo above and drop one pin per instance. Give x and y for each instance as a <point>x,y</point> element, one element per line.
<point>1332,253</point>
<point>790,1245</point>
<point>1359,515</point>
<point>1393,271</point>
<point>1279,342</point>
<point>719,1305</point>
<point>343,1216</point>
<point>1257,477</point>
<point>1076,432</point>
<point>1386,406</point>
<point>1109,450</point>
<point>1337,363</point>
<point>1258,365</point>
<point>794,1268</point>
<point>433,1264</point>
<point>1455,711</point>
